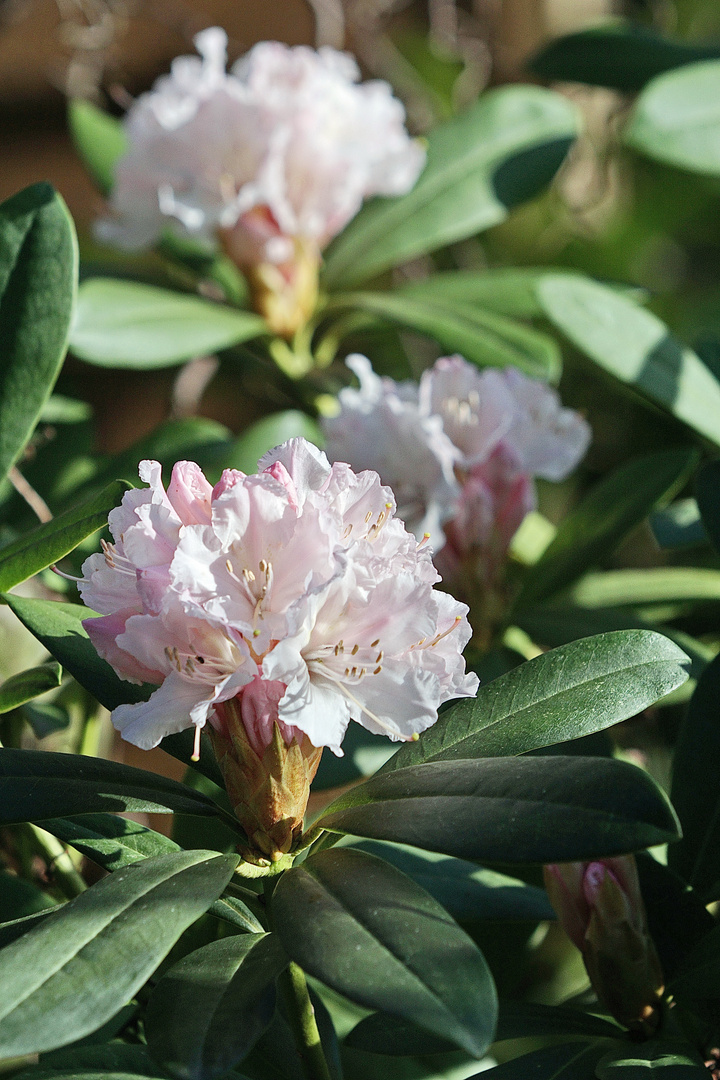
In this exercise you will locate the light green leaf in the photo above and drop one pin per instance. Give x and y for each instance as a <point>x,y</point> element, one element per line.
<point>665,1060</point>
<point>207,1012</point>
<point>483,337</point>
<point>99,139</point>
<point>572,691</point>
<point>510,810</point>
<point>596,526</point>
<point>50,542</point>
<point>469,167</point>
<point>55,986</point>
<point>566,1061</point>
<point>38,279</point>
<point>130,325</point>
<point>635,346</point>
<point>372,934</point>
<point>651,585</point>
<point>29,684</point>
<point>676,119</point>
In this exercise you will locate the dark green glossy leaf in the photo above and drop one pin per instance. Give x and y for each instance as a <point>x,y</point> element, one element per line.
<point>676,120</point>
<point>207,1012</point>
<point>660,1060</point>
<point>483,337</point>
<point>128,324</point>
<point>676,915</point>
<point>99,139</point>
<point>510,810</point>
<point>49,542</point>
<point>695,791</point>
<point>708,498</point>
<point>114,843</point>
<point>469,158</point>
<point>369,932</point>
<point>597,525</point>
<point>566,1061</point>
<point>635,347</point>
<point>697,978</point>
<point>392,1036</point>
<point>38,280</point>
<point>268,433</point>
<point>55,985</point>
<point>467,891</point>
<point>15,928</point>
<point>575,690</point>
<point>29,684</point>
<point>622,56</point>
<point>112,1061</point>
<point>35,785</point>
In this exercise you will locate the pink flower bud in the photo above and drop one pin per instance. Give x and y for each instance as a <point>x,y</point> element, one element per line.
<point>600,907</point>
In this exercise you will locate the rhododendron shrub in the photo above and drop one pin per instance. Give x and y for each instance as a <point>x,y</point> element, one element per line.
<point>461,450</point>
<point>271,161</point>
<point>277,607</point>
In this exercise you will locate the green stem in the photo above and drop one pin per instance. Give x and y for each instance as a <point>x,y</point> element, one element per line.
<point>301,1015</point>
<point>66,877</point>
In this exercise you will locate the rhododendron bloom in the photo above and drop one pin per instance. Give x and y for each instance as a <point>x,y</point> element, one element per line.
<point>600,907</point>
<point>272,159</point>
<point>277,607</point>
<point>454,447</point>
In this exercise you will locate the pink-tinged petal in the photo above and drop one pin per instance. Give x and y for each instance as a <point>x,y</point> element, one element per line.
<point>476,408</point>
<point>549,440</point>
<point>229,478</point>
<point>166,712</point>
<point>105,588</point>
<point>190,494</point>
<point>259,702</point>
<point>307,467</point>
<point>104,634</point>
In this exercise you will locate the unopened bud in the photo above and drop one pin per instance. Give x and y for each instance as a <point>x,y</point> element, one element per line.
<point>600,907</point>
<point>267,767</point>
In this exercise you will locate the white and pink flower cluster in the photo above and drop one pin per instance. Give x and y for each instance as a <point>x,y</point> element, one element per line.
<point>460,451</point>
<point>286,146</point>
<point>295,591</point>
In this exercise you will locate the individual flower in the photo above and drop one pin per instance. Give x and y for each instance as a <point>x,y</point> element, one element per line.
<point>600,907</point>
<point>271,160</point>
<point>277,607</point>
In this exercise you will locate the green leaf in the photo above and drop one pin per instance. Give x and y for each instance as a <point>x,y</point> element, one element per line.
<point>668,1062</point>
<point>15,928</point>
<point>29,684</point>
<point>130,325</point>
<point>38,785</point>
<point>623,56</point>
<point>635,347</point>
<point>510,810</point>
<point>394,1037</point>
<point>361,926</point>
<point>114,843</point>
<point>59,628</point>
<point>467,891</point>
<point>676,915</point>
<point>695,791</point>
<point>596,526</point>
<point>471,175</point>
<point>697,978</point>
<point>19,898</point>
<point>207,1012</point>
<point>676,119</point>
<point>708,499</point>
<point>572,691</point>
<point>504,290</point>
<point>38,279</point>
<point>109,1061</point>
<point>567,1061</point>
<point>268,433</point>
<point>483,337</point>
<point>55,986</point>
<point>59,409</point>
<point>651,585</point>
<point>50,542</point>
<point>99,139</point>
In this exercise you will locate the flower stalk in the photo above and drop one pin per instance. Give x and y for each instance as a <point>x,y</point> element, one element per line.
<point>301,1015</point>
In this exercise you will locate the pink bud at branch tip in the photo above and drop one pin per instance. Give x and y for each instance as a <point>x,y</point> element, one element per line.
<point>600,907</point>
